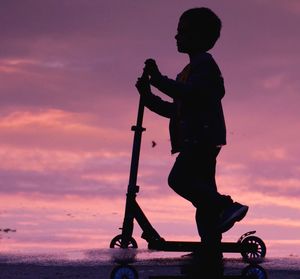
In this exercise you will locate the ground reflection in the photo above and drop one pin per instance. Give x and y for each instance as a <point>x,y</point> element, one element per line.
<point>187,271</point>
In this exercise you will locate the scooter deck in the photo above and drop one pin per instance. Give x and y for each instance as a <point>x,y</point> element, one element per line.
<point>190,246</point>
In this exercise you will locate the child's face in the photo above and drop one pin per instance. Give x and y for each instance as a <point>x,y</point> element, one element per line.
<point>187,41</point>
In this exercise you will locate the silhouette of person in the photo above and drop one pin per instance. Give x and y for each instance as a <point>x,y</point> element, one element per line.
<point>197,126</point>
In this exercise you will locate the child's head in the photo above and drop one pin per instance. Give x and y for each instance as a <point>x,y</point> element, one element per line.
<point>198,30</point>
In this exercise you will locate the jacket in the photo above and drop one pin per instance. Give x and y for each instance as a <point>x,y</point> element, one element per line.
<point>196,113</point>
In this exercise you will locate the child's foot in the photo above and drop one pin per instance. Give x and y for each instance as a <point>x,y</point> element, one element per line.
<point>234,213</point>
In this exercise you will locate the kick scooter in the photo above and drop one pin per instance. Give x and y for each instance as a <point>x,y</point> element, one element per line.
<point>250,246</point>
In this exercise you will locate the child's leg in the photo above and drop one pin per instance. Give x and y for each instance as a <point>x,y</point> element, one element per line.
<point>193,176</point>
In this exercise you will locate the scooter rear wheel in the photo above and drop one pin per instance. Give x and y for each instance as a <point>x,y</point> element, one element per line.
<point>118,242</point>
<point>124,272</point>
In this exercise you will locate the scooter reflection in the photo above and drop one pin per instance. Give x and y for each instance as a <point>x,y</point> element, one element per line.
<point>252,271</point>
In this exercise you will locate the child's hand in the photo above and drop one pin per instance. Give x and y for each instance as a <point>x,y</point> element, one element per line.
<point>143,85</point>
<point>151,68</point>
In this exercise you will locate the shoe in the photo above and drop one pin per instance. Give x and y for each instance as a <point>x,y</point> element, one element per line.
<point>234,213</point>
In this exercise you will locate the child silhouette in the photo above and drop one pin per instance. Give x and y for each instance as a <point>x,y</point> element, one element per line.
<point>197,126</point>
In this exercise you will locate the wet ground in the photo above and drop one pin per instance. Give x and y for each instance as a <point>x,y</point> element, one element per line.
<point>134,263</point>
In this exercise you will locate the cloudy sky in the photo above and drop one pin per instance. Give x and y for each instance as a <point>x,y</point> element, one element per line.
<point>67,102</point>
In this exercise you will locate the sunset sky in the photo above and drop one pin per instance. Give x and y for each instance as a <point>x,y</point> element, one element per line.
<point>67,97</point>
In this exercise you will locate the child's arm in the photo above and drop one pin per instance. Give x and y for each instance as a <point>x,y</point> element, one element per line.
<point>204,83</point>
<point>159,106</point>
<point>153,102</point>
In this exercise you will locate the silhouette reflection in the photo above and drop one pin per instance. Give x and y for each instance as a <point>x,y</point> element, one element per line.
<point>188,271</point>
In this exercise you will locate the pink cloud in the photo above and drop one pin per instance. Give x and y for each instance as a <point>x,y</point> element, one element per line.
<point>56,129</point>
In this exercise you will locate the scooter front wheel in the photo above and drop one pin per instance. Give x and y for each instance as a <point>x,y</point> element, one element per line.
<point>260,248</point>
<point>118,242</point>
<point>255,272</point>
